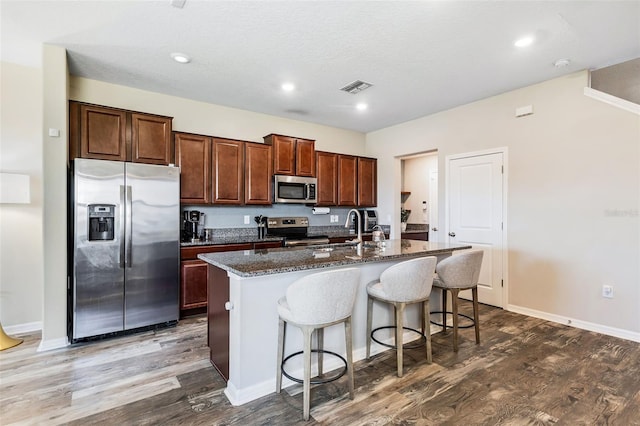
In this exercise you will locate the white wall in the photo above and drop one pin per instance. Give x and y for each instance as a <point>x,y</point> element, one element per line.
<point>215,120</point>
<point>574,194</point>
<point>416,175</point>
<point>21,250</point>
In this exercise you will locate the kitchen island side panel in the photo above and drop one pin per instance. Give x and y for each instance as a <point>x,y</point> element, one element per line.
<point>218,319</point>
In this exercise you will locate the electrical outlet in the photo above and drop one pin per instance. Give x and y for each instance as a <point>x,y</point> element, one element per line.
<point>607,291</point>
<point>247,219</point>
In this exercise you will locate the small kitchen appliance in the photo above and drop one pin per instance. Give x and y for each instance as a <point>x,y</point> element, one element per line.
<point>369,220</point>
<point>192,226</point>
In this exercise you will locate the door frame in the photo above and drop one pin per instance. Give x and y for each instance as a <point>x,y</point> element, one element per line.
<point>505,174</point>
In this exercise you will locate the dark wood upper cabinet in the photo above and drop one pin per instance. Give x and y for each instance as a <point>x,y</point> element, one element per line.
<point>101,132</point>
<point>150,139</point>
<point>105,133</point>
<point>305,157</point>
<point>367,182</point>
<point>327,174</point>
<point>228,171</point>
<point>292,156</point>
<point>347,180</point>
<point>193,156</point>
<point>257,173</point>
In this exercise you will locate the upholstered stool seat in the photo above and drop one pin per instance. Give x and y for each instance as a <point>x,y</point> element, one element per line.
<point>399,285</point>
<point>313,303</point>
<point>456,273</point>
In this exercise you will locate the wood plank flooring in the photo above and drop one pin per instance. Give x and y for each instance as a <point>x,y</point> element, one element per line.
<point>526,371</point>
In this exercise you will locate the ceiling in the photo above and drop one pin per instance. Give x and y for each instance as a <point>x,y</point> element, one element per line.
<point>420,56</point>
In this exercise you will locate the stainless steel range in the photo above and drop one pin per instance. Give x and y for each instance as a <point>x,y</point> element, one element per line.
<point>294,230</point>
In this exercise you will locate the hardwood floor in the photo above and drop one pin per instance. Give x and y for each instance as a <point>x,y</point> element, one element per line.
<point>526,371</point>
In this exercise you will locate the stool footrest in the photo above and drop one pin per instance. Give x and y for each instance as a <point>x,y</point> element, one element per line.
<point>316,381</point>
<point>410,345</point>
<point>451,313</point>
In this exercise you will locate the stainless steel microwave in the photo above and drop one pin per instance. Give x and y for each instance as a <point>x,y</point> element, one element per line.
<point>294,189</point>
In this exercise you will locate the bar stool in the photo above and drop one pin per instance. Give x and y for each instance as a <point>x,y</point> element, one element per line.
<point>455,273</point>
<point>311,304</point>
<point>399,285</point>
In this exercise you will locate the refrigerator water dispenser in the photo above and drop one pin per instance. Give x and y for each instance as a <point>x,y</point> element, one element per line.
<point>101,222</point>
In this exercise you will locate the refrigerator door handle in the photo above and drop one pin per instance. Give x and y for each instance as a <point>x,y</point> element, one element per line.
<point>122,255</point>
<point>128,208</point>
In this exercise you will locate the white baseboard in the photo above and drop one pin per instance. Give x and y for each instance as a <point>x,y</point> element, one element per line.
<point>25,328</point>
<point>51,344</point>
<point>572,322</point>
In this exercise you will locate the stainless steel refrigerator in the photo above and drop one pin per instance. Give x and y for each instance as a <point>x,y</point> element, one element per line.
<point>124,244</point>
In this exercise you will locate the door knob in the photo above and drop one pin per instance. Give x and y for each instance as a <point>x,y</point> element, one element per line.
<point>452,234</point>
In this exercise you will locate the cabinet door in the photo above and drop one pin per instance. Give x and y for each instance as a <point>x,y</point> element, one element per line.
<point>103,133</point>
<point>347,180</point>
<point>367,182</point>
<point>228,171</point>
<point>283,154</point>
<point>257,173</point>
<point>150,139</point>
<point>193,284</point>
<point>193,156</point>
<point>327,171</point>
<point>305,158</point>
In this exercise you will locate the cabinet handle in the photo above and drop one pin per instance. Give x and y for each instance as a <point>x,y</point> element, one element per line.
<point>452,234</point>
<point>228,306</point>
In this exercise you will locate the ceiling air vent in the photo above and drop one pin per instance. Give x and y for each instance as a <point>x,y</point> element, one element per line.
<point>356,86</point>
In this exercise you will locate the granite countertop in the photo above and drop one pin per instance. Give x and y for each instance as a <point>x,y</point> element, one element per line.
<point>252,263</point>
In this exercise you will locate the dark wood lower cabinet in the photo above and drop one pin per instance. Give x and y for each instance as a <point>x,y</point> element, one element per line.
<point>218,318</point>
<point>193,284</point>
<point>193,276</point>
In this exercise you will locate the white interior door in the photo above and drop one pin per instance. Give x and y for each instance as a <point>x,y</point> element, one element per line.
<point>475,216</point>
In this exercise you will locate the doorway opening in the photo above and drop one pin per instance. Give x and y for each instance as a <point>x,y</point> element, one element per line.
<point>419,196</point>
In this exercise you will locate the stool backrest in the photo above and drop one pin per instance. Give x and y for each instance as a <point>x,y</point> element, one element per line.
<point>409,280</point>
<point>461,270</point>
<point>324,297</point>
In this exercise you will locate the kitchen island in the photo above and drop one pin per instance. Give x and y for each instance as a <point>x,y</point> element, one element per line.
<point>244,288</point>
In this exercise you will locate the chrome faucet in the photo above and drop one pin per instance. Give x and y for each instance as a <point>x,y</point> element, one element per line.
<point>358,225</point>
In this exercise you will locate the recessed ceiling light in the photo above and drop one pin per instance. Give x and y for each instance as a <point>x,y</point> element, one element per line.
<point>288,87</point>
<point>561,63</point>
<point>524,42</point>
<point>361,106</point>
<point>181,57</point>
